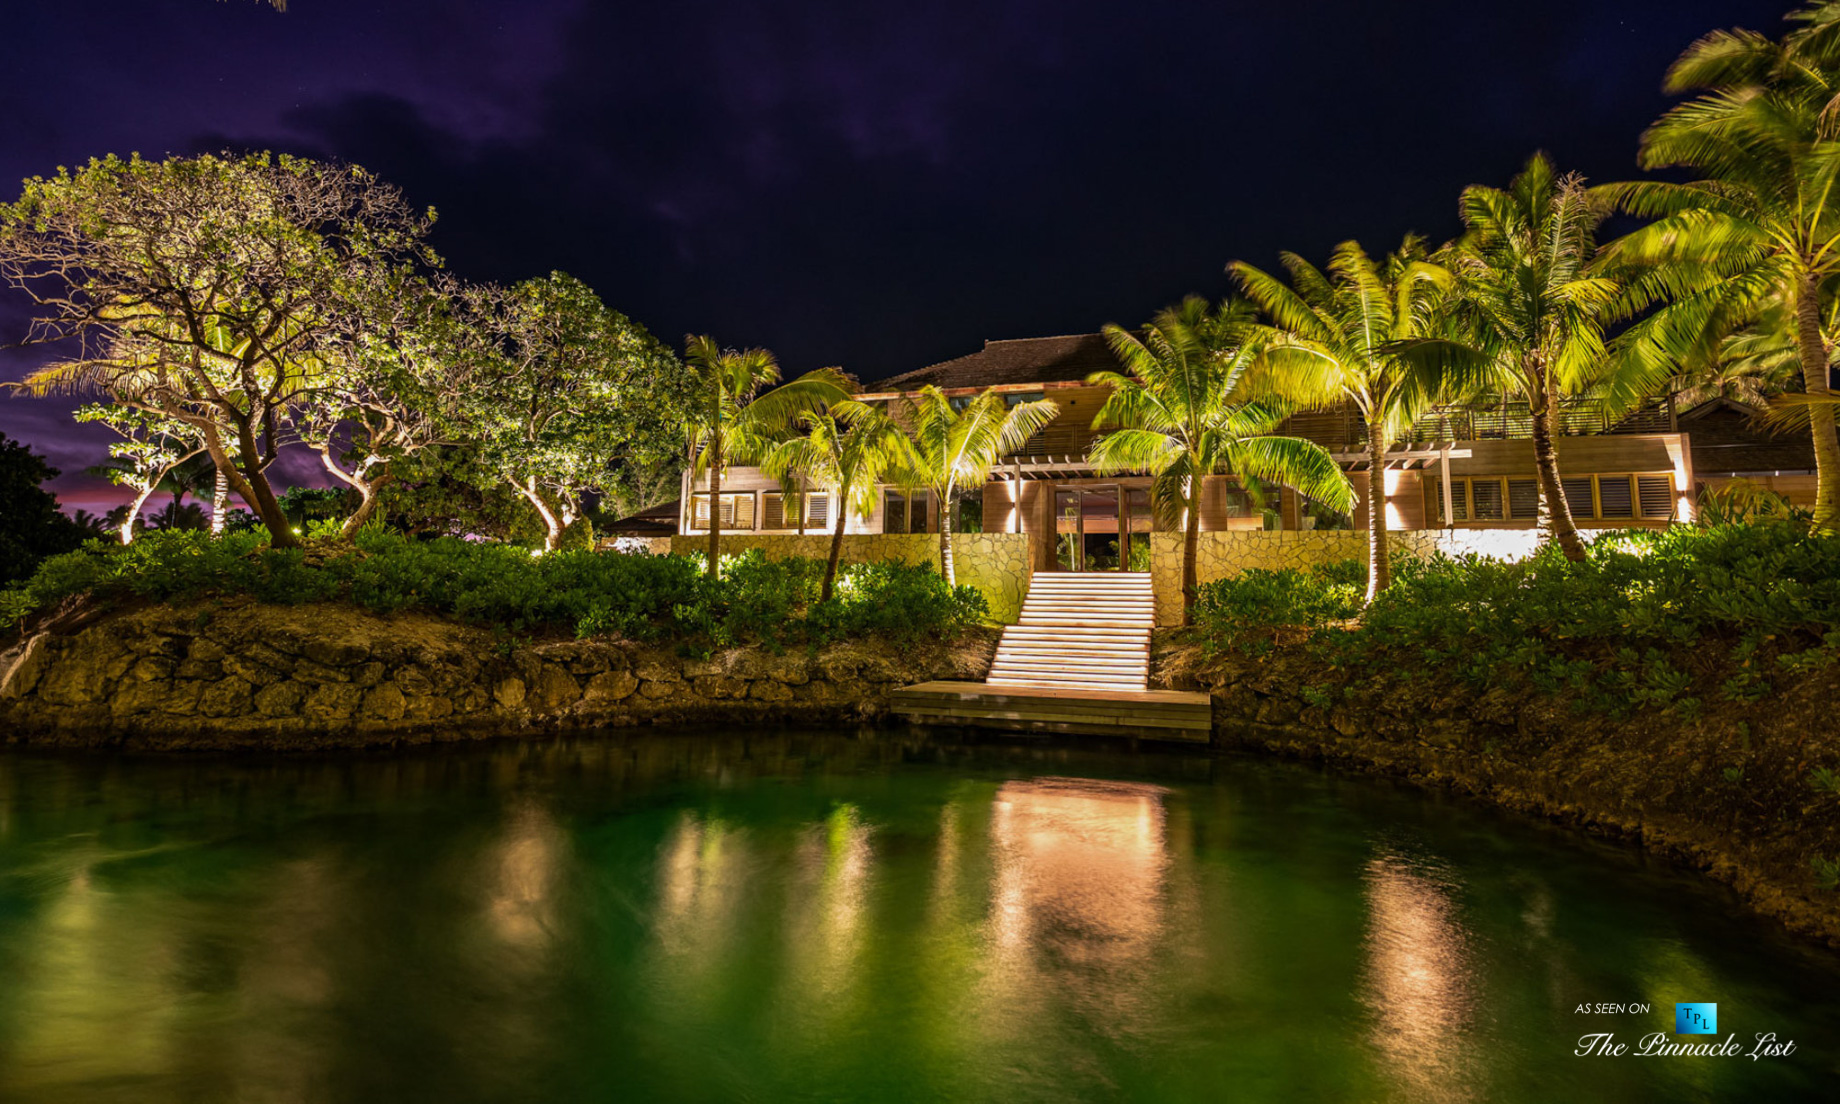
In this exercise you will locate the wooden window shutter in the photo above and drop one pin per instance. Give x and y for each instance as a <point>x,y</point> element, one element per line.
<point>773,511</point>
<point>1523,498</point>
<point>1485,497</point>
<point>1578,497</point>
<point>1655,496</point>
<point>818,512</point>
<point>743,507</point>
<point>1614,497</point>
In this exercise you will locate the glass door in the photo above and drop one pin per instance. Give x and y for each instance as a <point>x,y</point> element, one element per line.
<point>1090,532</point>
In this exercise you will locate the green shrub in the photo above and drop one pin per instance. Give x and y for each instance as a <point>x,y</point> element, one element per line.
<point>1245,610</point>
<point>510,588</point>
<point>1610,629</point>
<point>577,536</point>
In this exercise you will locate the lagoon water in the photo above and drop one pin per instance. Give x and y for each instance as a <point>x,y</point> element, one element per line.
<point>875,916</point>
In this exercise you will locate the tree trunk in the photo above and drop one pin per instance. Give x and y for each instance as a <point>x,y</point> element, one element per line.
<point>1813,352</point>
<point>251,486</point>
<point>830,566</point>
<point>367,507</point>
<point>1379,567</point>
<point>1555,513</point>
<point>220,503</point>
<point>715,506</point>
<point>1191,550</point>
<point>945,539</point>
<point>552,527</point>
<point>134,515</point>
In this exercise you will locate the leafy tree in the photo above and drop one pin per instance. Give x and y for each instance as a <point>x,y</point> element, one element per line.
<point>572,394</point>
<point>1529,315</point>
<point>202,289</point>
<point>956,442</point>
<point>1184,409</point>
<point>848,447</point>
<point>1335,340</point>
<point>151,450</point>
<point>1763,225</point>
<point>35,527</point>
<point>737,418</point>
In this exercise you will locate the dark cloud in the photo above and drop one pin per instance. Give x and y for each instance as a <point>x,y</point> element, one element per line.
<point>880,186</point>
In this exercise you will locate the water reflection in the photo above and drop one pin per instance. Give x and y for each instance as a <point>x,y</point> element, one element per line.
<point>1419,986</point>
<point>1077,901</point>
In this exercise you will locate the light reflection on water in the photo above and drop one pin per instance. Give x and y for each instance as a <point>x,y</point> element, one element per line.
<point>815,917</point>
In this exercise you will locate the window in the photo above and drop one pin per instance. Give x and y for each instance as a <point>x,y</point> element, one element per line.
<point>1591,498</point>
<point>737,511</point>
<point>905,513</point>
<point>781,511</point>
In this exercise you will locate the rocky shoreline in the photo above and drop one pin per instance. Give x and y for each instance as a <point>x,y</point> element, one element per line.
<point>1727,793</point>
<point>242,675</point>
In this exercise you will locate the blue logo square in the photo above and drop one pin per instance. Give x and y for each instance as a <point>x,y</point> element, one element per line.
<point>1695,1018</point>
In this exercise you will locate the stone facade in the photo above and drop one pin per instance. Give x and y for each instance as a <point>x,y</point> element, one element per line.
<point>1223,555</point>
<point>997,564</point>
<point>246,675</point>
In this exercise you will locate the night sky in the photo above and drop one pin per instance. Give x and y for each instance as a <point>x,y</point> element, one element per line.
<point>877,187</point>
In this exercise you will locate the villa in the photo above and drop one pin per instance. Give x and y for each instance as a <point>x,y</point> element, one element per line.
<point>1464,467</point>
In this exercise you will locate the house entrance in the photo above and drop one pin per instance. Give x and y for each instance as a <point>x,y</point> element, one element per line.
<point>1105,527</point>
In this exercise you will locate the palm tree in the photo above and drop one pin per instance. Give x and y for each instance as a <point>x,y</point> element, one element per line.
<point>1335,339</point>
<point>1184,409</point>
<point>1761,228</point>
<point>738,421</point>
<point>957,442</point>
<point>849,447</point>
<point>1528,315</point>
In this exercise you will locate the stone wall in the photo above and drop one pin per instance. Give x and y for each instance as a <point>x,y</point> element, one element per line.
<point>1223,555</point>
<point>246,675</point>
<point>995,563</point>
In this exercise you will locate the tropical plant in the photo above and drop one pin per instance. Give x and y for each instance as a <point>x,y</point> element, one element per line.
<point>957,441</point>
<point>568,393</point>
<point>1184,409</point>
<point>1528,315</point>
<point>848,447</point>
<point>151,451</point>
<point>1335,339</point>
<point>201,288</point>
<point>734,420</point>
<point>1759,236</point>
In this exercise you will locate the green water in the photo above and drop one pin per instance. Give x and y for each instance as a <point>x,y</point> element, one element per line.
<point>845,916</point>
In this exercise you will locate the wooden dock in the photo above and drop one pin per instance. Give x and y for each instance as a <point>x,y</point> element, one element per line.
<point>1151,714</point>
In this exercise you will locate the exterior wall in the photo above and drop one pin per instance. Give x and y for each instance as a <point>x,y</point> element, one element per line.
<point>1223,555</point>
<point>1798,489</point>
<point>997,564</point>
<point>743,480</point>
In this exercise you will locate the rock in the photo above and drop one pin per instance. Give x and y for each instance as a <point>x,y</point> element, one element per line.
<point>312,671</point>
<point>414,681</point>
<point>419,707</point>
<point>229,697</point>
<point>280,699</point>
<point>180,698</point>
<point>720,686</point>
<point>1277,711</point>
<point>336,652</point>
<point>206,650</point>
<point>554,690</point>
<point>153,669</point>
<point>332,702</point>
<point>610,686</point>
<point>370,674</point>
<point>384,702</point>
<point>509,693</point>
<point>258,664</point>
<point>714,666</point>
<point>659,669</point>
<point>205,669</point>
<point>769,690</point>
<point>658,691</point>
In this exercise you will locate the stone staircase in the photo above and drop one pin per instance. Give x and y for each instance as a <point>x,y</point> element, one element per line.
<point>1080,631</point>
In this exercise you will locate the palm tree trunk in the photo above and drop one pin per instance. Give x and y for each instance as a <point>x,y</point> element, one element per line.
<point>1813,352</point>
<point>220,503</point>
<point>830,565</point>
<point>715,505</point>
<point>1379,567</point>
<point>1555,513</point>
<point>945,538</point>
<point>1191,551</point>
